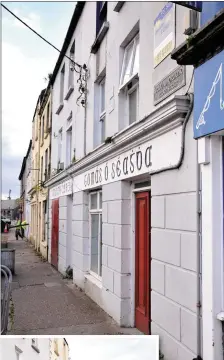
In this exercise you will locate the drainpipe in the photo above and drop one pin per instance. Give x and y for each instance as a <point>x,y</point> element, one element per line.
<point>48,192</point>
<point>38,176</point>
<point>85,113</point>
<point>198,270</point>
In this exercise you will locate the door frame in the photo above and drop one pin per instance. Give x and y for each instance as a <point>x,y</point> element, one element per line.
<point>58,200</point>
<point>133,219</point>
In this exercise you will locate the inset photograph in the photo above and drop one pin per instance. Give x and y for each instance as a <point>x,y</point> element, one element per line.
<point>85,347</point>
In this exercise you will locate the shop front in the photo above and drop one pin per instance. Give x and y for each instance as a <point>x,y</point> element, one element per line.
<point>60,225</point>
<point>125,212</point>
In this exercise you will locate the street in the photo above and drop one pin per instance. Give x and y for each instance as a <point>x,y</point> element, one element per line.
<point>45,303</point>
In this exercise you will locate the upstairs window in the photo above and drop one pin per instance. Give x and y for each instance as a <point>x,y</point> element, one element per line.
<point>62,83</point>
<point>102,117</point>
<point>71,66</point>
<point>42,130</point>
<point>100,110</point>
<point>101,14</point>
<point>69,145</point>
<point>130,66</point>
<point>59,146</point>
<point>48,117</point>
<point>46,165</point>
<point>41,168</point>
<point>129,84</point>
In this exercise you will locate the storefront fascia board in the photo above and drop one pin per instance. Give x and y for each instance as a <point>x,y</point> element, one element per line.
<point>161,120</point>
<point>157,152</point>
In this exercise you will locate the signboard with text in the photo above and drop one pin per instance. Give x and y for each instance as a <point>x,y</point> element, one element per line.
<point>154,154</point>
<point>164,33</point>
<point>62,189</point>
<point>209,97</point>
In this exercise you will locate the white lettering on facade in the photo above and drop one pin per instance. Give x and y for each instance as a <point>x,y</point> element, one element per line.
<point>134,163</point>
<point>61,190</point>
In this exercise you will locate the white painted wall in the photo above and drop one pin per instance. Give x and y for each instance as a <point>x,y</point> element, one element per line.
<point>8,346</point>
<point>110,55</point>
<point>173,193</point>
<point>84,38</point>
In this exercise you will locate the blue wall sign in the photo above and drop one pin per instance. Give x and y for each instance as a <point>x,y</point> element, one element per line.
<point>194,5</point>
<point>210,9</point>
<point>209,97</point>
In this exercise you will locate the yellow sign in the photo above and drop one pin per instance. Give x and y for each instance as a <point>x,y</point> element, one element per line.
<point>164,33</point>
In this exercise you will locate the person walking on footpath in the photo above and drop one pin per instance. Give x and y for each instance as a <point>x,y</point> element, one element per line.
<point>18,229</point>
<point>23,228</point>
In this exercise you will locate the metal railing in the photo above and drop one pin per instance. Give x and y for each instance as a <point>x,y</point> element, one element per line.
<point>6,280</point>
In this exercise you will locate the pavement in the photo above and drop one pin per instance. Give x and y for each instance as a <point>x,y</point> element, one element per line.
<point>46,304</point>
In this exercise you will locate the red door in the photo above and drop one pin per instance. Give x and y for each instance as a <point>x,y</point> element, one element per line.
<point>54,233</point>
<point>142,262</point>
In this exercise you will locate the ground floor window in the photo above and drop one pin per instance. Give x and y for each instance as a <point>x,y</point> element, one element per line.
<point>95,207</point>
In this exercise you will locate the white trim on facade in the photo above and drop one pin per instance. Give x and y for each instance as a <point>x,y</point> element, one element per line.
<point>212,245</point>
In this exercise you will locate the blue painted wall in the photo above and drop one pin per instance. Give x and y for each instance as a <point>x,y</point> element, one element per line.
<point>209,9</point>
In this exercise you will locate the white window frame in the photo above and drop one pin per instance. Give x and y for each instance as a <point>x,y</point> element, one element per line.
<point>135,87</point>
<point>71,72</point>
<point>69,130</point>
<point>60,134</point>
<point>62,84</point>
<point>102,114</point>
<point>134,43</point>
<point>97,211</point>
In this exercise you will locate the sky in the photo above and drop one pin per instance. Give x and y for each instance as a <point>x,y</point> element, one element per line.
<point>26,62</point>
<point>113,347</point>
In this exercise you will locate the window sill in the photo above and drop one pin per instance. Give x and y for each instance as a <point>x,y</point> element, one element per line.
<point>104,29</point>
<point>70,91</point>
<point>35,348</point>
<point>118,6</point>
<point>94,280</point>
<point>133,77</point>
<point>42,143</point>
<point>59,109</point>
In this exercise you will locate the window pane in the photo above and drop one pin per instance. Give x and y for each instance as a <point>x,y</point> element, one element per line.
<point>102,125</point>
<point>100,200</point>
<point>93,204</point>
<point>102,88</point>
<point>136,61</point>
<point>133,107</point>
<point>127,63</point>
<point>94,242</point>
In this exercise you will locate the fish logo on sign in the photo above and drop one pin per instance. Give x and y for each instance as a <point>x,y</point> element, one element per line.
<point>218,79</point>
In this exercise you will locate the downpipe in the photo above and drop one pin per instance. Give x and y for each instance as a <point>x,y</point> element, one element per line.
<point>198,270</point>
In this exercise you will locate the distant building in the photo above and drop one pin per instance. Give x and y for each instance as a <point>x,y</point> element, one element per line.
<point>24,348</point>
<point>24,177</point>
<point>35,173</point>
<point>45,168</point>
<point>9,208</point>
